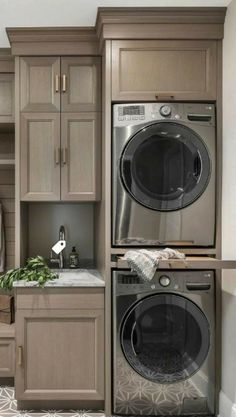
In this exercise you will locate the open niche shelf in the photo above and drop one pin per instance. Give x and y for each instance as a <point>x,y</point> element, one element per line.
<point>7,190</point>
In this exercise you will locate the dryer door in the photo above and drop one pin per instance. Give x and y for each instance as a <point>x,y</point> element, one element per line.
<point>165,166</point>
<point>165,338</point>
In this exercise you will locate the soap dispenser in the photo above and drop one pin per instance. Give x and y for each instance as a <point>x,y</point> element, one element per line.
<point>74,258</point>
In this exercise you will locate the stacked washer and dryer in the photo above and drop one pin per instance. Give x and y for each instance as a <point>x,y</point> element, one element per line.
<point>163,194</point>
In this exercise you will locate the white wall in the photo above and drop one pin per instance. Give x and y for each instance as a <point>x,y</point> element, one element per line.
<point>228,394</point>
<point>73,12</point>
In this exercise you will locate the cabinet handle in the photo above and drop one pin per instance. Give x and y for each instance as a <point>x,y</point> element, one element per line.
<point>20,355</point>
<point>57,83</point>
<point>57,156</point>
<point>164,97</point>
<point>64,83</point>
<point>64,156</point>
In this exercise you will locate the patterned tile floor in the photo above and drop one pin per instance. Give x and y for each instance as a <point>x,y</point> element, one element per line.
<point>8,408</point>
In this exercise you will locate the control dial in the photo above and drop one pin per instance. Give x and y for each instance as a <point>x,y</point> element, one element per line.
<point>165,110</point>
<point>164,281</point>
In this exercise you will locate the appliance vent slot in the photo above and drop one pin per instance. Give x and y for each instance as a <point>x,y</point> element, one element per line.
<point>128,279</point>
<point>199,117</point>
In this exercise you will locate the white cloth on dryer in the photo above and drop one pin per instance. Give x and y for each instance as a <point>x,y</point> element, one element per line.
<point>145,262</point>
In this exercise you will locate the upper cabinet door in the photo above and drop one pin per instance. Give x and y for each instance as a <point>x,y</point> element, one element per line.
<point>7,88</point>
<point>81,84</point>
<point>40,157</point>
<point>150,70</point>
<point>80,141</point>
<point>40,84</point>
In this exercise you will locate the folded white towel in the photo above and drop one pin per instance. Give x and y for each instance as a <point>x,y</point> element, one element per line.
<point>144,262</point>
<point>2,241</point>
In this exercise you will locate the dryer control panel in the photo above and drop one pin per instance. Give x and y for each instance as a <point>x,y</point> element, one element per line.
<point>131,114</point>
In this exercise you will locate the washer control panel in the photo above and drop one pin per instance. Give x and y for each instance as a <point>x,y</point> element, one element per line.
<point>165,280</point>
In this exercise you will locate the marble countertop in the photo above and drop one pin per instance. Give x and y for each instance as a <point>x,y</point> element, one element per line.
<point>69,278</point>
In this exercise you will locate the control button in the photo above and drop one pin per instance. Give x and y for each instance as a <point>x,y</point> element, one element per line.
<point>120,118</point>
<point>165,110</point>
<point>127,117</point>
<point>153,286</point>
<point>142,117</point>
<point>164,281</point>
<point>177,116</point>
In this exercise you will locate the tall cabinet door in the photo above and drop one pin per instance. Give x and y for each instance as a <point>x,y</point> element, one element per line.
<point>80,141</point>
<point>40,157</point>
<point>40,84</point>
<point>81,85</point>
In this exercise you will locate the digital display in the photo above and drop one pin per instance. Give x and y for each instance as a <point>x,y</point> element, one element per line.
<point>131,111</point>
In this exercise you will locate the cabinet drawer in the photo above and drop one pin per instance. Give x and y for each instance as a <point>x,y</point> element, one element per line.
<point>28,298</point>
<point>7,357</point>
<point>142,70</point>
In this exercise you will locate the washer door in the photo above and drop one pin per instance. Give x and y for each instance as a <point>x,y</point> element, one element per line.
<point>165,166</point>
<point>165,338</point>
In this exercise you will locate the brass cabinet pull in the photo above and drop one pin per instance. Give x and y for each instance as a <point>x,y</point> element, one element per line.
<point>64,83</point>
<point>20,355</point>
<point>64,156</point>
<point>57,156</point>
<point>57,83</point>
<point>164,97</point>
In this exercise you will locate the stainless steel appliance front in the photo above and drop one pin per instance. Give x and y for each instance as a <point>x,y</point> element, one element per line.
<point>164,344</point>
<point>163,169</point>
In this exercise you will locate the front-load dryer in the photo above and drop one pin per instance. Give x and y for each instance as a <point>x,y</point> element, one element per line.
<point>164,344</point>
<point>163,174</point>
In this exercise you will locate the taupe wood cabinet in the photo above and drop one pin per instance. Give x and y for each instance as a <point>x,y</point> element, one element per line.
<point>60,344</point>
<point>52,83</point>
<point>40,156</point>
<point>7,88</point>
<point>81,156</point>
<point>152,69</point>
<point>7,350</point>
<point>60,128</point>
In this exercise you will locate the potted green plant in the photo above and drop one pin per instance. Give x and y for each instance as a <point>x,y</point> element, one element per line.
<point>35,269</point>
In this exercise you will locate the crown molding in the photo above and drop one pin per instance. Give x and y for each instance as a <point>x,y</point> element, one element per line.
<point>7,62</point>
<point>53,40</point>
<point>160,23</point>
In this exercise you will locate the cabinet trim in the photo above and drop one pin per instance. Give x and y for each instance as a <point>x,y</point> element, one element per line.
<point>160,23</point>
<point>53,41</point>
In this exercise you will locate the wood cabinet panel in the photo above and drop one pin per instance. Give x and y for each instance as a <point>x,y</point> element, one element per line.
<point>7,98</point>
<point>40,84</point>
<point>80,141</point>
<point>61,355</point>
<point>7,357</point>
<point>142,70</point>
<point>39,156</point>
<point>81,85</point>
<point>48,298</point>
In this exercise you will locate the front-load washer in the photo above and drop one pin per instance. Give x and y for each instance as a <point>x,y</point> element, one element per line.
<point>164,344</point>
<point>163,174</point>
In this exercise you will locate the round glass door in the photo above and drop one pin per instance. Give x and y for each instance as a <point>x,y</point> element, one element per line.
<point>165,166</point>
<point>165,338</point>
